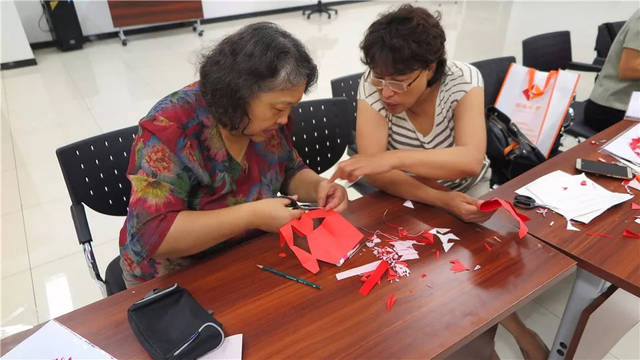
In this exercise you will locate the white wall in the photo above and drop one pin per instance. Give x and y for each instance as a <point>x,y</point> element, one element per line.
<point>15,45</point>
<point>95,18</point>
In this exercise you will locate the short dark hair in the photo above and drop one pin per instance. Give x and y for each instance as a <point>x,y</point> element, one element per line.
<point>403,41</point>
<point>257,58</point>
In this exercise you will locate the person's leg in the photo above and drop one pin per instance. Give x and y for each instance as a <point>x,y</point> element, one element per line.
<point>600,117</point>
<point>531,346</point>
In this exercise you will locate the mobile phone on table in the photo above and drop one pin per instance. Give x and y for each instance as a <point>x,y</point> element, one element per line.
<point>600,168</point>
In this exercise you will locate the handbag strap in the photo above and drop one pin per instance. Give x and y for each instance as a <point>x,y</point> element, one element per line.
<point>535,90</point>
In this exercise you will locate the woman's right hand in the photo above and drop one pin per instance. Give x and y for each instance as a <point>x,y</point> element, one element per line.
<point>271,214</point>
<point>464,207</point>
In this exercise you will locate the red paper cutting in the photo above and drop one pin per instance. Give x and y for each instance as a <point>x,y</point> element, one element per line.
<point>282,255</point>
<point>437,254</point>
<point>487,246</point>
<point>495,203</point>
<point>390,301</point>
<point>631,234</point>
<point>635,145</point>
<point>424,276</point>
<point>374,278</point>
<point>635,206</point>
<point>600,235</point>
<point>329,242</point>
<point>583,182</point>
<point>457,266</point>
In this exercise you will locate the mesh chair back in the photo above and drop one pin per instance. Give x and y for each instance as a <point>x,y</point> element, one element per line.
<point>547,52</point>
<point>493,72</point>
<point>95,171</point>
<point>321,131</point>
<point>607,32</point>
<point>347,87</point>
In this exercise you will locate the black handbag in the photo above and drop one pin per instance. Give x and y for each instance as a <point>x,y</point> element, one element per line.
<point>508,149</point>
<point>171,324</point>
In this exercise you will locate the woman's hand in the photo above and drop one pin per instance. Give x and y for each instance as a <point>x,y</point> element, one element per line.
<point>362,165</point>
<point>332,196</point>
<point>272,214</point>
<point>464,207</point>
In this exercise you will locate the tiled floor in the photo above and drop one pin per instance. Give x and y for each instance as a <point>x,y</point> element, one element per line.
<point>70,96</point>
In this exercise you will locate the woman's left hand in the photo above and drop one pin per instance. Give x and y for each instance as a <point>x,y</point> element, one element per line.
<point>362,165</point>
<point>332,196</point>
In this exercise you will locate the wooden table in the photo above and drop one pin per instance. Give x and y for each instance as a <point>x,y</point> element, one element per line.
<point>616,260</point>
<point>433,316</point>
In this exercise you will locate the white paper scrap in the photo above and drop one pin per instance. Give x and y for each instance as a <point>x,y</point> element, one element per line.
<point>358,270</point>
<point>408,204</point>
<point>231,349</point>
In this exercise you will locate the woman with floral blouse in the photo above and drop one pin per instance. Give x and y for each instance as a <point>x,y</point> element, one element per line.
<point>209,158</point>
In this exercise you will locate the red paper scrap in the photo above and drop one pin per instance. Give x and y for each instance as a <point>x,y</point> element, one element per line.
<point>424,276</point>
<point>329,242</point>
<point>635,206</point>
<point>402,232</point>
<point>495,203</point>
<point>487,246</point>
<point>631,234</point>
<point>457,266</point>
<point>437,254</point>
<point>390,301</point>
<point>282,255</point>
<point>374,278</point>
<point>391,275</point>
<point>583,182</point>
<point>600,235</point>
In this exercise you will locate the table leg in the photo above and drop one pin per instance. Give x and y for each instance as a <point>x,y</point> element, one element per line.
<point>586,288</point>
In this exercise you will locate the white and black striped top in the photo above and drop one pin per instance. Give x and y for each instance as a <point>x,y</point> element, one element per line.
<point>456,82</point>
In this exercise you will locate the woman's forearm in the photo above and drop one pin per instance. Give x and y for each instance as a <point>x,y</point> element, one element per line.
<point>195,231</point>
<point>407,187</point>
<point>449,163</point>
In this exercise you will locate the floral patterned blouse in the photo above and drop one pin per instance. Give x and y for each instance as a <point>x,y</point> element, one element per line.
<point>179,162</point>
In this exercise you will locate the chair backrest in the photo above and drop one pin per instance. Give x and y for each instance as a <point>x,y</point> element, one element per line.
<point>321,131</point>
<point>95,171</point>
<point>548,51</point>
<point>347,87</point>
<point>493,72</point>
<point>607,32</point>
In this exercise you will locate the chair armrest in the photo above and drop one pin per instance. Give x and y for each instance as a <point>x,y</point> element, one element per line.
<point>580,66</point>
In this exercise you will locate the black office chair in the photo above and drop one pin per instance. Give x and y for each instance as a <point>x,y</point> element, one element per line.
<point>347,86</point>
<point>552,51</point>
<point>607,32</point>
<point>95,172</point>
<point>493,73</point>
<point>321,131</point>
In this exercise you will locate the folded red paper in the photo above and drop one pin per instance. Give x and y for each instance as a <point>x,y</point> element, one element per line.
<point>374,278</point>
<point>631,234</point>
<point>457,266</point>
<point>495,203</point>
<point>329,242</point>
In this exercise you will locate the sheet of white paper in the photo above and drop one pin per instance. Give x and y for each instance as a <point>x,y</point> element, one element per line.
<point>408,204</point>
<point>633,110</point>
<point>55,341</point>
<point>409,257</point>
<point>571,227</point>
<point>565,194</point>
<point>637,221</point>
<point>620,146</point>
<point>231,349</point>
<point>358,270</point>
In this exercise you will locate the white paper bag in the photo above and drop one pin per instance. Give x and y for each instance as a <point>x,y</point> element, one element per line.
<point>537,102</point>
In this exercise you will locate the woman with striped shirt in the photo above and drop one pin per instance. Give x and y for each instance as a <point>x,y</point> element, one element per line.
<point>420,124</point>
<point>420,127</point>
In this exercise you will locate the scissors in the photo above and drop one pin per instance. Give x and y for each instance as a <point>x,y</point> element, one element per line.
<point>298,205</point>
<point>525,202</point>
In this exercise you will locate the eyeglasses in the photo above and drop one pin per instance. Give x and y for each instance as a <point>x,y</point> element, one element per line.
<point>395,86</point>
